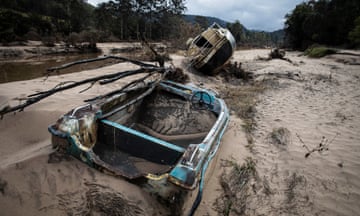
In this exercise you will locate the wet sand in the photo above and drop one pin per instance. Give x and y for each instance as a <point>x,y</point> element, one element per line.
<point>311,99</point>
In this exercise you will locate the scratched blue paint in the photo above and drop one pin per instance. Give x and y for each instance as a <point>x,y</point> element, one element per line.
<point>180,173</point>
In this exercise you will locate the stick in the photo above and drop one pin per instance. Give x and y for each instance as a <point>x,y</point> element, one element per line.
<point>34,98</point>
<point>141,70</point>
<point>120,90</point>
<point>142,64</point>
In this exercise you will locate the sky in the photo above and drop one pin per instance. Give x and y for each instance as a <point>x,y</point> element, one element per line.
<point>264,15</point>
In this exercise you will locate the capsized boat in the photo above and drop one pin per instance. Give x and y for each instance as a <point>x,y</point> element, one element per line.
<point>211,49</point>
<point>160,131</point>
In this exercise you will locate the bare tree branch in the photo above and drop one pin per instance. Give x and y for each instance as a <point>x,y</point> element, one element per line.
<point>139,63</point>
<point>34,98</point>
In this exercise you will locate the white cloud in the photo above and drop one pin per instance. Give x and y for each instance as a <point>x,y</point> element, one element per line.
<point>254,14</point>
<point>96,2</point>
<point>264,15</point>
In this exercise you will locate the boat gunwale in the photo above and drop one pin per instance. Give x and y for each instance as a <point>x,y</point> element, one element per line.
<point>211,141</point>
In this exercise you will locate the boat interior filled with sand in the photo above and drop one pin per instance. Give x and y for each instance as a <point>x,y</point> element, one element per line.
<point>159,131</point>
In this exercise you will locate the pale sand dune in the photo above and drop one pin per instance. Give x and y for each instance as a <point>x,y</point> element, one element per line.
<point>310,105</point>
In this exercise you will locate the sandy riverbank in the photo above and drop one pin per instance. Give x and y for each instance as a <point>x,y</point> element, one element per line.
<point>309,100</point>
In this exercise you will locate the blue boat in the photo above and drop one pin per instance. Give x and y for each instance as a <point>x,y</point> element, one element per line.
<point>159,134</point>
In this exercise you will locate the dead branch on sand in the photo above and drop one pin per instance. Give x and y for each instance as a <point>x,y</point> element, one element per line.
<point>145,68</point>
<point>123,59</point>
<point>104,79</point>
<point>323,145</point>
<point>158,57</point>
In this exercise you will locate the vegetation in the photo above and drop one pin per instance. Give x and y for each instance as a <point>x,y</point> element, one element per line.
<point>279,136</point>
<point>30,19</point>
<point>247,38</point>
<point>244,106</point>
<point>76,21</point>
<point>236,185</point>
<point>131,19</point>
<point>319,51</point>
<point>327,22</point>
<point>354,35</point>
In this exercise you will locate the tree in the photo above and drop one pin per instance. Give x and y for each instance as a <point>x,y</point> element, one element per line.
<point>202,21</point>
<point>237,31</point>
<point>323,21</point>
<point>354,34</point>
<point>127,19</point>
<point>294,29</point>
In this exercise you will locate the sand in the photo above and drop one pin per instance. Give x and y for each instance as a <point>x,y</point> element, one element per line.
<point>315,100</point>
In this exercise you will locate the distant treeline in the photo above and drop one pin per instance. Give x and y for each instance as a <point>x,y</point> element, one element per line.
<point>74,20</point>
<point>327,22</point>
<point>36,19</point>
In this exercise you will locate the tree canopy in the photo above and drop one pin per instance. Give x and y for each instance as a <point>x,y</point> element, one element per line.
<point>129,19</point>
<point>123,19</point>
<point>328,22</point>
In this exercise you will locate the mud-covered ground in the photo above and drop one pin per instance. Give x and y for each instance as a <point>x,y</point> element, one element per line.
<point>291,147</point>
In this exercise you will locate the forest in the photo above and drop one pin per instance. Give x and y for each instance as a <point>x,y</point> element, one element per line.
<point>76,21</point>
<point>327,22</point>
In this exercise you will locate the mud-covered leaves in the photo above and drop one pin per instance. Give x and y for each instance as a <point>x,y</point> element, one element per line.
<point>280,137</point>
<point>236,187</point>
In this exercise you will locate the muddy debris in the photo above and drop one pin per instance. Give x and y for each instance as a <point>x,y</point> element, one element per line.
<point>3,185</point>
<point>279,137</point>
<point>234,70</point>
<point>276,54</point>
<point>177,75</point>
<point>236,186</point>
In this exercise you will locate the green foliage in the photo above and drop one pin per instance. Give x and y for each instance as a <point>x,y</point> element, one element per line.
<point>130,19</point>
<point>75,20</point>
<point>202,21</point>
<point>237,30</point>
<point>23,19</point>
<point>319,51</point>
<point>354,35</point>
<point>324,22</point>
<point>253,38</point>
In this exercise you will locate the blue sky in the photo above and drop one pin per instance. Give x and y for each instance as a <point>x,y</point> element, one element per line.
<point>267,15</point>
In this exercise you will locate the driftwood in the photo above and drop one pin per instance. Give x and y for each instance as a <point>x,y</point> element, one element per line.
<point>121,89</point>
<point>323,145</point>
<point>276,54</point>
<point>104,79</point>
<point>158,57</point>
<point>139,63</point>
